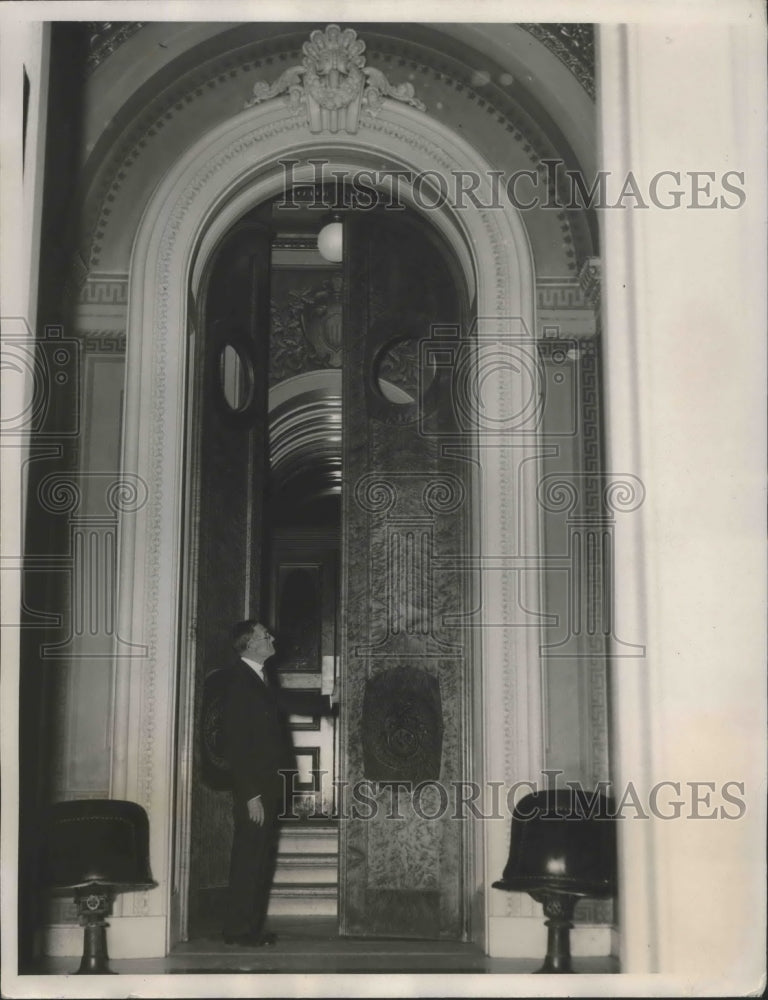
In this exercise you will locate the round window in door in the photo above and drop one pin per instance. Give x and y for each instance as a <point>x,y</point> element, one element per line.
<point>236,378</point>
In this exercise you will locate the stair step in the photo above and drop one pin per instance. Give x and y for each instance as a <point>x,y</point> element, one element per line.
<point>305,890</point>
<point>300,840</point>
<point>309,858</point>
<point>318,868</point>
<point>307,871</point>
<point>302,906</point>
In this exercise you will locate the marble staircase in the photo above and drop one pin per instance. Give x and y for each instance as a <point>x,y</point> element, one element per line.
<point>306,878</point>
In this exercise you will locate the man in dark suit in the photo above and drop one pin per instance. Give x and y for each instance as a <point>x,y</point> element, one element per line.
<point>255,742</point>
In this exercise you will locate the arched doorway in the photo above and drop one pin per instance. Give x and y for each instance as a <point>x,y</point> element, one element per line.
<point>271,537</point>
<point>215,183</point>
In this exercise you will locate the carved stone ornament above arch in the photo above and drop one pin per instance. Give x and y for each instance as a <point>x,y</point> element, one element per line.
<point>229,171</point>
<point>508,111</point>
<point>333,84</point>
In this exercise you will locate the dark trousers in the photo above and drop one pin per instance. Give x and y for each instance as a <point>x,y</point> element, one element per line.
<point>251,869</point>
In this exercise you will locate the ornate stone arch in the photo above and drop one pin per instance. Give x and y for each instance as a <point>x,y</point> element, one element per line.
<point>229,170</point>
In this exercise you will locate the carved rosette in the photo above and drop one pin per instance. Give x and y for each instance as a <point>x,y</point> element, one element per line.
<point>333,84</point>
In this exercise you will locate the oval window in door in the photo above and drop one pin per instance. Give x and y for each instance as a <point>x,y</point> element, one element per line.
<point>236,378</point>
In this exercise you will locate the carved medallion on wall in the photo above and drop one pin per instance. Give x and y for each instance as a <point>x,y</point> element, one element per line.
<point>402,726</point>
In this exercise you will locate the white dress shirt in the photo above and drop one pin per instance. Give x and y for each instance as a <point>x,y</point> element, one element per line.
<point>256,667</point>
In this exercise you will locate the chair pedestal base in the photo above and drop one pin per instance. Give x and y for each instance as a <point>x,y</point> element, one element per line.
<point>92,908</point>
<point>558,909</point>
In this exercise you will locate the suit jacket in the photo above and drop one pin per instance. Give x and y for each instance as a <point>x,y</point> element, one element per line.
<point>256,742</point>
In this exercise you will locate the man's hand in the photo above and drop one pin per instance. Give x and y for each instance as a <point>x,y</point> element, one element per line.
<point>334,695</point>
<point>256,810</point>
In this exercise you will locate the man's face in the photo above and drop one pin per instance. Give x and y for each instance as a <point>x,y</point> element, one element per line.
<point>261,645</point>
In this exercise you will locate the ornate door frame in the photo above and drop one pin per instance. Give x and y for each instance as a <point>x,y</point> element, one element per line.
<point>228,171</point>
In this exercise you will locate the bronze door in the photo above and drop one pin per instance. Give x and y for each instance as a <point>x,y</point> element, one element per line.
<point>232,429</point>
<point>405,531</point>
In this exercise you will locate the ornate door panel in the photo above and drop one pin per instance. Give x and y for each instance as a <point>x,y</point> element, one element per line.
<point>232,387</point>
<point>405,528</point>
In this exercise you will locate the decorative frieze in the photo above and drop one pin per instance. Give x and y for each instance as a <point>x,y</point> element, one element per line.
<point>103,341</point>
<point>105,289</point>
<point>99,313</point>
<point>560,293</point>
<point>564,308</point>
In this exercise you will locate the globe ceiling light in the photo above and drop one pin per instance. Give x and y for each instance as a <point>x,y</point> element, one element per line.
<point>330,241</point>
